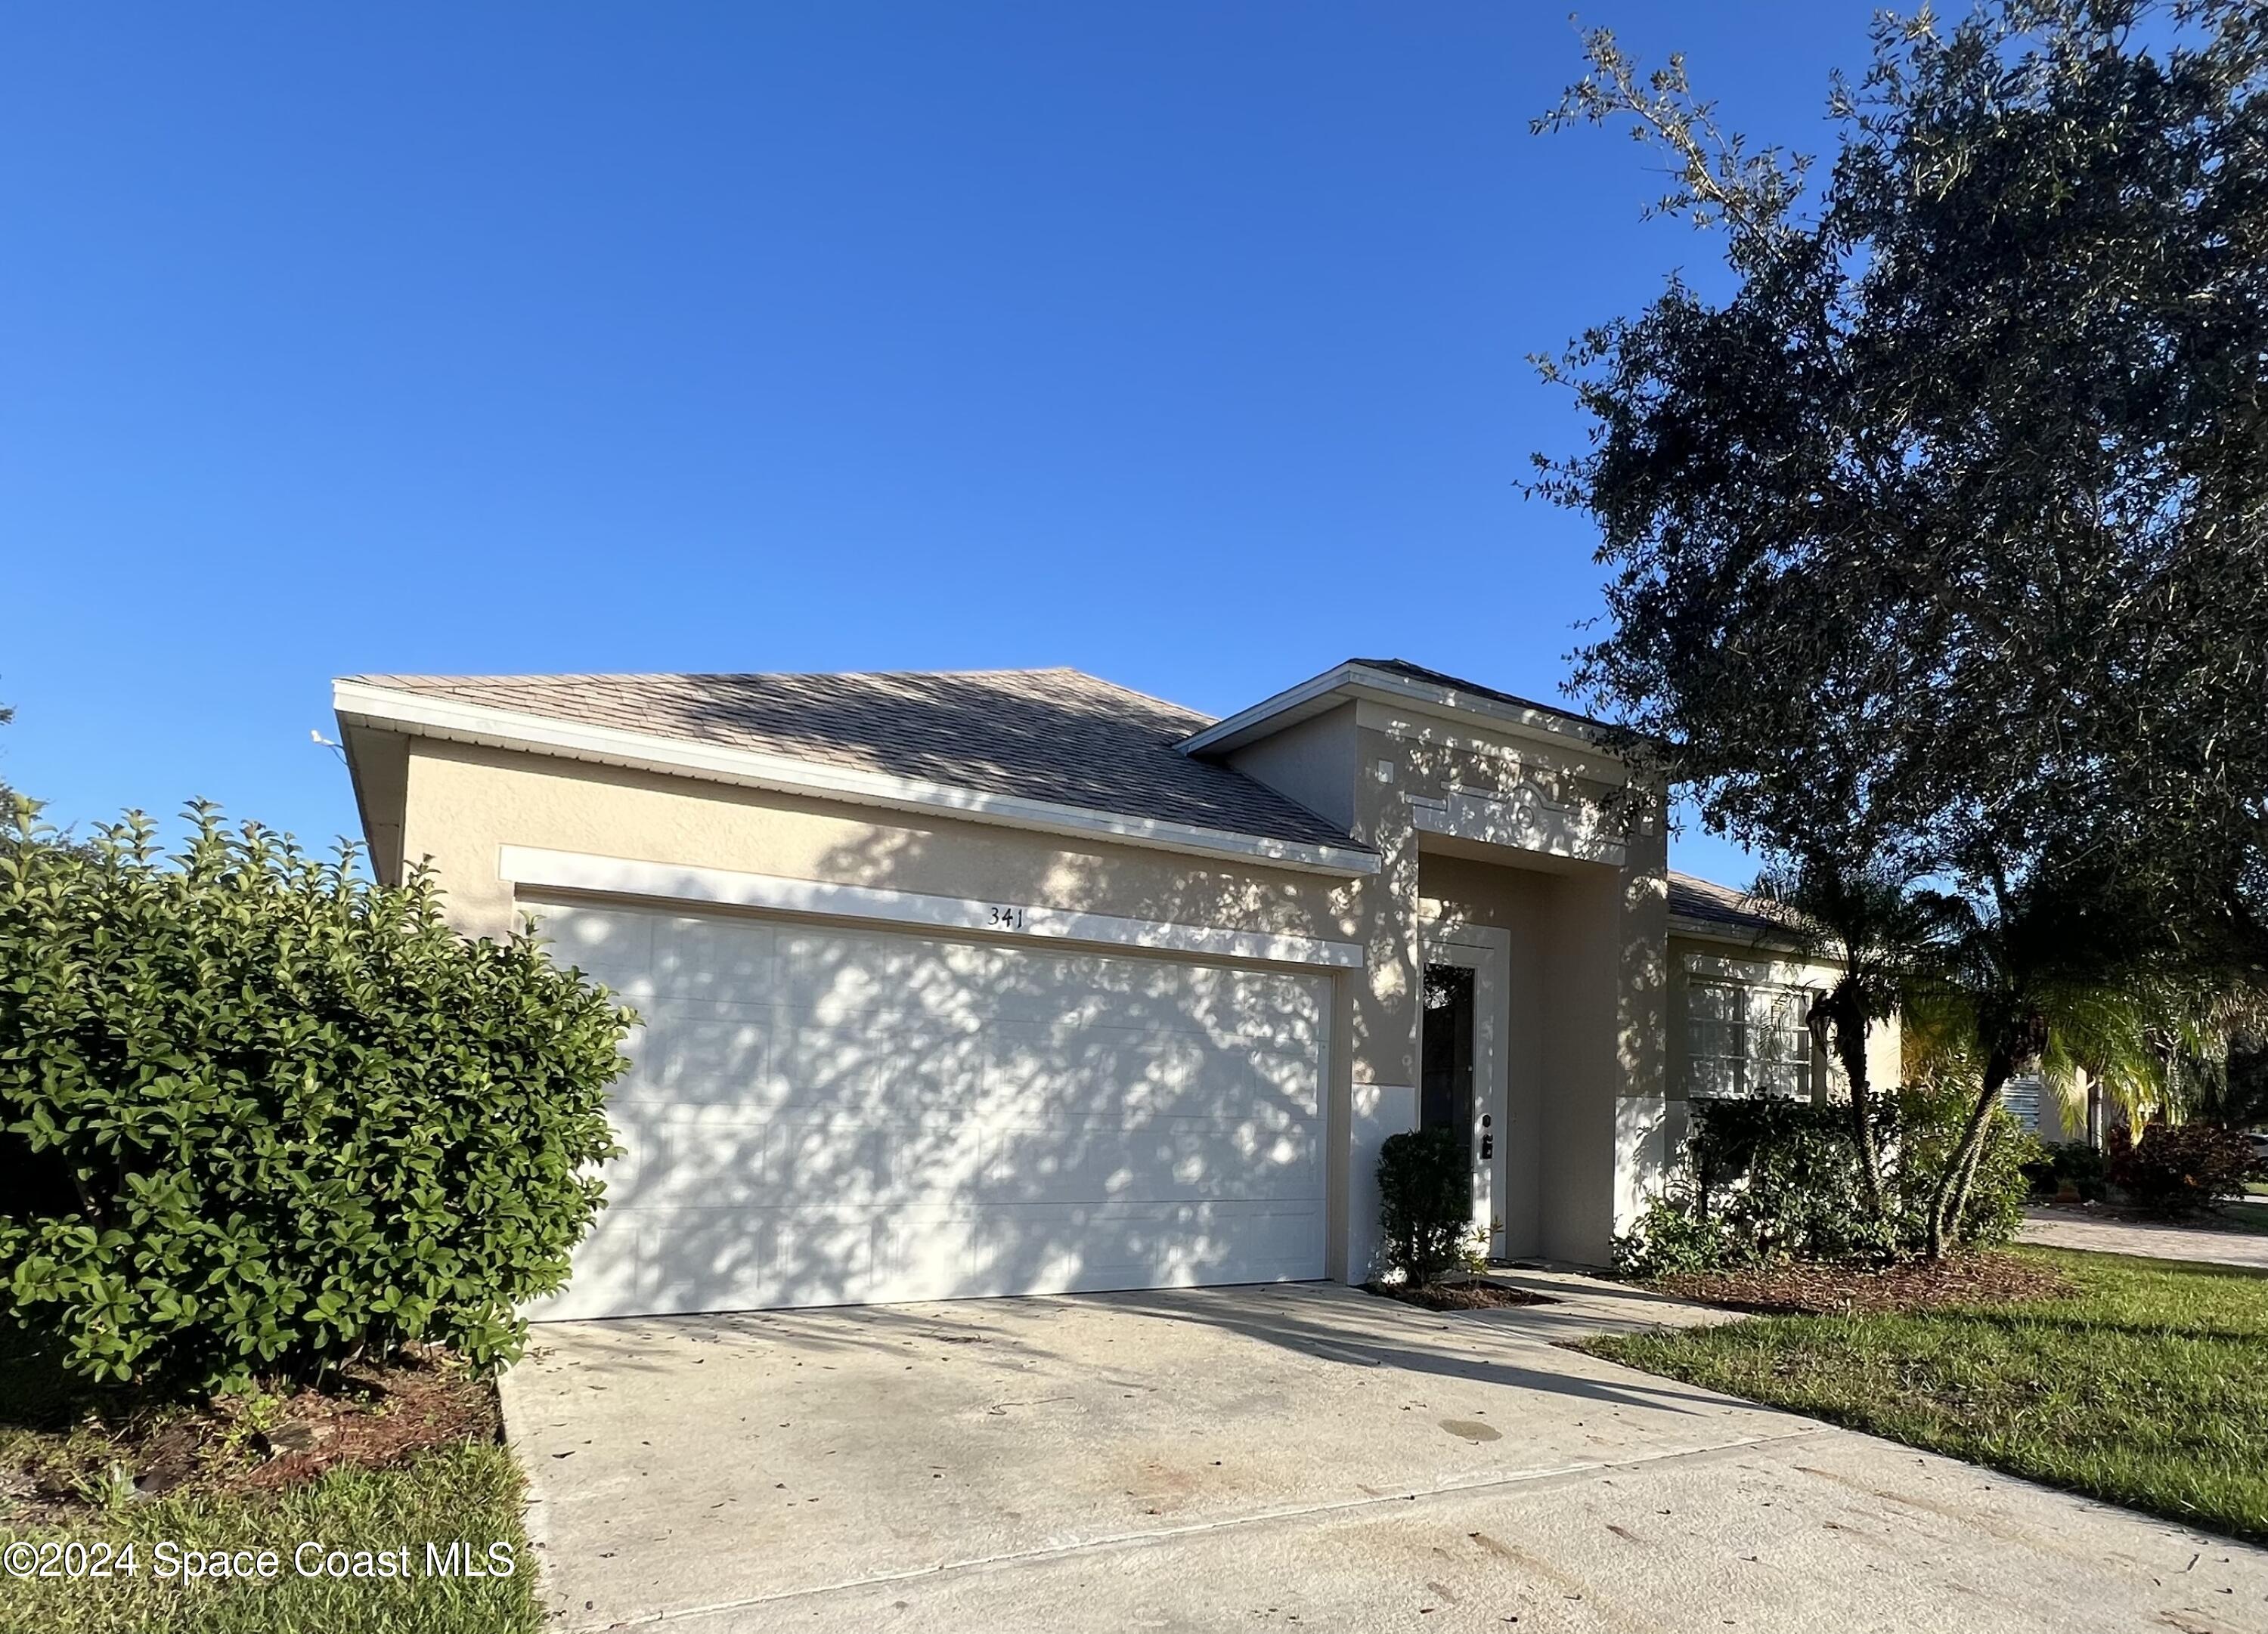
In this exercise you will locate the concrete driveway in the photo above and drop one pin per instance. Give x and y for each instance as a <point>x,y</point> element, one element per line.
<point>1292,1457</point>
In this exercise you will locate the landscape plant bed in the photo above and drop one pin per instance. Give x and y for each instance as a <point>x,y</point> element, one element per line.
<point>2144,1382</point>
<point>386,1457</point>
<point>66,1448</point>
<point>1802,1289</point>
<point>1459,1296</point>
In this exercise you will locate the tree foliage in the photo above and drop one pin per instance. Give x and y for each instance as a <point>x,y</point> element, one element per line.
<point>7,795</point>
<point>260,1114</point>
<point>1938,542</point>
<point>1946,526</point>
<point>1862,916</point>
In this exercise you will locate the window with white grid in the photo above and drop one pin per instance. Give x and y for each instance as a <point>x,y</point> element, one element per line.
<point>1747,1039</point>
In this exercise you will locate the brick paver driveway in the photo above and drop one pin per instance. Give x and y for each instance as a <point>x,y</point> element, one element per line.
<point>2066,1228</point>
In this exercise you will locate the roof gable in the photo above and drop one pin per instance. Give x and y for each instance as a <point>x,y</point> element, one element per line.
<point>1404,686</point>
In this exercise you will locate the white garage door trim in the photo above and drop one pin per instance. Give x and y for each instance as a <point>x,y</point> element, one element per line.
<point>616,876</point>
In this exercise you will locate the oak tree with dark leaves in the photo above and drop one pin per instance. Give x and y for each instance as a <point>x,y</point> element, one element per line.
<point>1936,527</point>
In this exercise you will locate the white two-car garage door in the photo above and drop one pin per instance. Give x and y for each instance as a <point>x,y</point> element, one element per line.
<point>821,1117</point>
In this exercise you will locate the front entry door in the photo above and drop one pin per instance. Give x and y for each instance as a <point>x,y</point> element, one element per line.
<point>1462,1084</point>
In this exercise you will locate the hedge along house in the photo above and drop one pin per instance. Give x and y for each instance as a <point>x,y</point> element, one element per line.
<point>1742,988</point>
<point>1001,983</point>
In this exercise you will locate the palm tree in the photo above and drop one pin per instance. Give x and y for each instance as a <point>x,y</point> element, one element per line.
<point>1869,923</point>
<point>2060,969</point>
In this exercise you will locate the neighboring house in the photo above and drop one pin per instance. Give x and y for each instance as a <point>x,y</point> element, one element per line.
<point>1018,981</point>
<point>2054,1110</point>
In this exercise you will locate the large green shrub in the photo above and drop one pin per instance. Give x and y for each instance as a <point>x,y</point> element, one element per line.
<point>1757,1181</point>
<point>2074,1162</point>
<point>2179,1169</point>
<point>1929,1136</point>
<point>1762,1182</point>
<point>260,1114</point>
<point>1425,1204</point>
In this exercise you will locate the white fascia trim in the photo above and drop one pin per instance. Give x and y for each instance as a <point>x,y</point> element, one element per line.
<point>614,876</point>
<point>1289,706</point>
<point>1713,931</point>
<point>1239,728</point>
<point>360,703</point>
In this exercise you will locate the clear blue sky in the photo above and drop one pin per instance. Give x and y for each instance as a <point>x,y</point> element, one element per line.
<point>1182,343</point>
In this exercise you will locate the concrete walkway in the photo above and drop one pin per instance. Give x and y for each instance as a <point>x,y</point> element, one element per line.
<point>1292,1457</point>
<point>2065,1228</point>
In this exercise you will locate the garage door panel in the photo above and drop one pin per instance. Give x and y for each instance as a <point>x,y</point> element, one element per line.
<point>883,1067</point>
<point>722,1259</point>
<point>1250,1006</point>
<point>713,959</point>
<point>608,1279</point>
<point>1074,1071</point>
<point>1186,1159</point>
<point>612,946</point>
<point>837,974</point>
<point>1096,1247</point>
<point>818,1116</point>
<point>697,1259</point>
<point>702,1053</point>
<point>758,1164</point>
<point>1052,1071</point>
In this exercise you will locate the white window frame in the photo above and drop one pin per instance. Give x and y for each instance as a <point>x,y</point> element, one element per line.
<point>1784,997</point>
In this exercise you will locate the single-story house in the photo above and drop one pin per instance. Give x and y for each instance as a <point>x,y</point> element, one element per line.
<point>1017,981</point>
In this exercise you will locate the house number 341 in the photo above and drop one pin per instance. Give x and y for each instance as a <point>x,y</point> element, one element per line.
<point>1001,917</point>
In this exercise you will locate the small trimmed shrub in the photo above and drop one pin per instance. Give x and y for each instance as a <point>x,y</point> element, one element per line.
<point>1426,1205</point>
<point>1677,1235</point>
<point>2179,1169</point>
<point>258,1114</point>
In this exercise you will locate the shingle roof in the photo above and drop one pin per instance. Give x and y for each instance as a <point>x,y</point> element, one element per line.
<point>1692,897</point>
<point>1053,734</point>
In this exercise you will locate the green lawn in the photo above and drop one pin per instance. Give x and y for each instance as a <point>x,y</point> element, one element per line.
<point>2149,1388</point>
<point>469,1491</point>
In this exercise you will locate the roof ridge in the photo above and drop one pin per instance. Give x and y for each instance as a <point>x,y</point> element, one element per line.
<point>717,675</point>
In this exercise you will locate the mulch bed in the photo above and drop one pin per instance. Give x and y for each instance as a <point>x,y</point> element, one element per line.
<point>1458,1296</point>
<point>380,1417</point>
<point>369,1416</point>
<point>1989,1279</point>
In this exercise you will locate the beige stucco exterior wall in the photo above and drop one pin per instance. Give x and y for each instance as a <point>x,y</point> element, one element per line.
<point>1311,761</point>
<point>1519,902</point>
<point>1588,970</point>
<point>1593,977</point>
<point>1577,1112</point>
<point>465,801</point>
